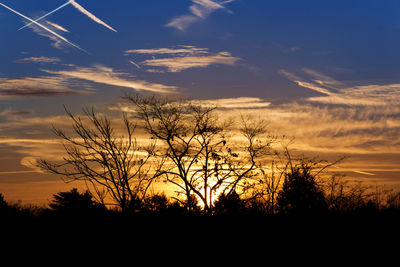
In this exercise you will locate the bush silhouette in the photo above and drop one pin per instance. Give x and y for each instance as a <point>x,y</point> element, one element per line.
<point>229,204</point>
<point>300,193</point>
<point>3,203</point>
<point>74,203</point>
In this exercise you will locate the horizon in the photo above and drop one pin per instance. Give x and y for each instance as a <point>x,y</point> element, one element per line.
<point>323,73</point>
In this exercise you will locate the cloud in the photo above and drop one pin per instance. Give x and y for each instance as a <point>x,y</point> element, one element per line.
<point>56,26</point>
<point>38,60</point>
<point>104,75</point>
<point>12,113</point>
<point>182,58</point>
<point>339,93</point>
<point>31,163</point>
<point>57,42</point>
<point>199,10</point>
<point>36,87</point>
<point>236,103</point>
<point>181,49</point>
<point>64,82</point>
<point>32,150</point>
<point>183,22</point>
<point>177,64</point>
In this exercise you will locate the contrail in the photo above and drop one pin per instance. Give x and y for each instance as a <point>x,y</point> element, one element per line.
<point>48,14</point>
<point>43,27</point>
<point>362,172</point>
<point>90,15</point>
<point>134,64</point>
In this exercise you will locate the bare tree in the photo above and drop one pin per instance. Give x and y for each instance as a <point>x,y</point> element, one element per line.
<point>266,189</point>
<point>111,164</point>
<point>201,160</point>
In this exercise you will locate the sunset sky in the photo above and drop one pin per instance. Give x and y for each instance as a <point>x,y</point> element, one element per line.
<point>325,72</point>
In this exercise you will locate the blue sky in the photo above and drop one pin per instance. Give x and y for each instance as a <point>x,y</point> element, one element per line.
<point>326,72</point>
<point>346,40</point>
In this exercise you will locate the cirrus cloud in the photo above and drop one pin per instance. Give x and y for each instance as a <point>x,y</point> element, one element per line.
<point>180,58</point>
<point>177,64</point>
<point>199,10</point>
<point>105,75</point>
<point>41,59</point>
<point>339,93</point>
<point>36,87</point>
<point>65,82</point>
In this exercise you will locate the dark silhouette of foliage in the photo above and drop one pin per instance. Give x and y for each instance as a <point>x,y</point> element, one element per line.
<point>160,204</point>
<point>75,203</point>
<point>301,194</point>
<point>17,212</point>
<point>230,204</point>
<point>3,203</point>
<point>157,204</point>
<point>393,201</point>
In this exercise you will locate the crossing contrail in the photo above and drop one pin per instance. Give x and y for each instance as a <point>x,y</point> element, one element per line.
<point>48,14</point>
<point>80,9</point>
<point>43,27</point>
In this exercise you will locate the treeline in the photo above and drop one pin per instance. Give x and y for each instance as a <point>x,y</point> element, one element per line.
<point>300,195</point>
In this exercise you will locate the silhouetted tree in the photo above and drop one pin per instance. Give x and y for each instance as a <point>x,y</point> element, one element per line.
<point>200,160</point>
<point>110,163</point>
<point>344,196</point>
<point>229,204</point>
<point>300,193</point>
<point>160,204</point>
<point>75,203</point>
<point>393,201</point>
<point>3,203</point>
<point>157,203</point>
<point>265,190</point>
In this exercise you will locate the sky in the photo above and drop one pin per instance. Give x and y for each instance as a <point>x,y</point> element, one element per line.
<point>324,72</point>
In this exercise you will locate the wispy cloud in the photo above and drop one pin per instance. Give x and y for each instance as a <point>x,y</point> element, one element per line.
<point>236,103</point>
<point>199,10</point>
<point>56,26</point>
<point>177,64</point>
<point>36,87</point>
<point>181,58</point>
<point>65,82</point>
<point>336,92</point>
<point>42,59</point>
<point>181,49</point>
<point>55,41</point>
<point>12,113</point>
<point>105,75</point>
